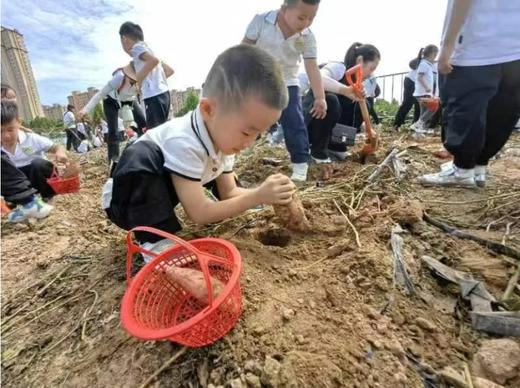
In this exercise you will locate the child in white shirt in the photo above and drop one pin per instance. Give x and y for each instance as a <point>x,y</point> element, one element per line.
<point>243,95</point>
<point>150,74</point>
<point>24,170</point>
<point>425,85</point>
<point>285,34</point>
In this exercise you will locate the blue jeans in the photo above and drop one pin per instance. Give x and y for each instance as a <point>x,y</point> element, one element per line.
<point>294,129</point>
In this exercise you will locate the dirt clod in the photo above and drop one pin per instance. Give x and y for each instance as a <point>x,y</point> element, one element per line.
<point>497,360</point>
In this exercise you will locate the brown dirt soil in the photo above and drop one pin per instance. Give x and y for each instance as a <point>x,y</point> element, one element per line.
<point>318,310</point>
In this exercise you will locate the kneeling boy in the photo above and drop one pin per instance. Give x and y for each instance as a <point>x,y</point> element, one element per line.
<point>24,170</point>
<point>243,95</point>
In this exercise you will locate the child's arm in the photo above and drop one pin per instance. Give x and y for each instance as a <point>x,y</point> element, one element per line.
<point>319,109</point>
<point>168,70</point>
<point>150,61</point>
<point>277,189</point>
<point>459,13</point>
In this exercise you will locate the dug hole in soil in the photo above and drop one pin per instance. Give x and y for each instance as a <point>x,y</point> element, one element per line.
<point>321,309</point>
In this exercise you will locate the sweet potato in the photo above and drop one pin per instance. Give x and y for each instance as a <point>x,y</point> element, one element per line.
<point>293,216</point>
<point>71,170</point>
<point>192,281</point>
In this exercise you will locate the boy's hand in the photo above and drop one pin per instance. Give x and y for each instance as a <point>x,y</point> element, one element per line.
<point>277,189</point>
<point>444,64</point>
<point>319,108</point>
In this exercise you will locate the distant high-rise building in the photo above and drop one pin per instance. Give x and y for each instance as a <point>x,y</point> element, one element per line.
<point>80,99</point>
<point>54,112</point>
<point>178,98</point>
<point>17,73</point>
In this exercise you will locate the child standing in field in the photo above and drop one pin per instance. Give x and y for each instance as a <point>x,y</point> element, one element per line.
<point>150,74</point>
<point>480,55</point>
<point>285,34</point>
<point>426,86</point>
<point>243,95</point>
<point>409,100</point>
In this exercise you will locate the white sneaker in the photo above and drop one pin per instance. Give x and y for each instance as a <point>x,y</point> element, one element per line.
<point>447,165</point>
<point>419,127</point>
<point>321,161</point>
<point>156,247</point>
<point>37,208</point>
<point>338,155</point>
<point>299,173</point>
<point>480,175</point>
<point>454,176</point>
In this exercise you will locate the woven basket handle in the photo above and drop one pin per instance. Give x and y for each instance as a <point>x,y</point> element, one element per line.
<point>202,257</point>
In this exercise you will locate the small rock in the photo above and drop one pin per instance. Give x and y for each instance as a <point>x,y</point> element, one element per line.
<point>253,381</point>
<point>415,349</point>
<point>398,318</point>
<point>288,314</point>
<point>253,367</point>
<point>375,344</point>
<point>236,383</point>
<point>271,373</point>
<point>312,304</point>
<point>371,312</point>
<point>258,331</point>
<point>396,348</point>
<point>300,301</point>
<point>451,376</point>
<point>400,378</point>
<point>497,360</point>
<point>479,382</point>
<point>300,340</point>
<point>338,220</point>
<point>426,324</point>
<point>292,273</point>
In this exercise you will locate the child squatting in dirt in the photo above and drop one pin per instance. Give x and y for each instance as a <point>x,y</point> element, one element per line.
<point>243,95</point>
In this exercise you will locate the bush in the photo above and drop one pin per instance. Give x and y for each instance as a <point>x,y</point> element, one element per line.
<point>192,100</point>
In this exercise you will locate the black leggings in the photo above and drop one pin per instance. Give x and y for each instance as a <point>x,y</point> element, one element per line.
<point>19,184</point>
<point>340,109</point>
<point>408,101</point>
<point>111,108</point>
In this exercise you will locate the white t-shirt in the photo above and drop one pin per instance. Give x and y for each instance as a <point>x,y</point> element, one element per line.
<point>81,129</point>
<point>412,75</point>
<point>69,121</point>
<point>155,82</point>
<point>289,52</point>
<point>30,146</point>
<point>370,85</point>
<point>127,93</point>
<point>490,35</point>
<point>334,70</point>
<point>187,150</point>
<point>428,71</point>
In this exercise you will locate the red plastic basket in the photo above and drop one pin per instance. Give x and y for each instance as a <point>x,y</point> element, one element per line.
<point>154,307</point>
<point>63,185</point>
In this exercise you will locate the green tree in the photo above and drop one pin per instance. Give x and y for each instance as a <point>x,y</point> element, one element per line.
<point>192,100</point>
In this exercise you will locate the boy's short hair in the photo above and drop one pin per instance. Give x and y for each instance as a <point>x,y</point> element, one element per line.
<point>70,107</point>
<point>291,3</point>
<point>244,71</point>
<point>9,111</point>
<point>132,31</point>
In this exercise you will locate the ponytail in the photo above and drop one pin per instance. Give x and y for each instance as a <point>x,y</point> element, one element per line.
<point>420,55</point>
<point>425,52</point>
<point>367,51</point>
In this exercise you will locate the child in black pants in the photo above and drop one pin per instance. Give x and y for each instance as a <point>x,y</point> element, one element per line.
<point>243,96</point>
<point>481,60</point>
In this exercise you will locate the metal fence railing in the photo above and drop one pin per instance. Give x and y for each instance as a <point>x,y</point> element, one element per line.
<point>391,86</point>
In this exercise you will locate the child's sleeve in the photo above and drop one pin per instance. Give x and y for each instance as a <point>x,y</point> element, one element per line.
<point>254,28</point>
<point>138,50</point>
<point>182,158</point>
<point>43,144</point>
<point>311,50</point>
<point>334,70</point>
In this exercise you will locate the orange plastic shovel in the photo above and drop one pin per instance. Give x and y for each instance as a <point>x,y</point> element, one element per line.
<point>372,141</point>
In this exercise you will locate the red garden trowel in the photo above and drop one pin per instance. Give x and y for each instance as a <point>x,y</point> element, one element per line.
<point>372,140</point>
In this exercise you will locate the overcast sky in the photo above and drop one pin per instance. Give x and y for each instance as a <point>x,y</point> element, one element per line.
<point>74,44</point>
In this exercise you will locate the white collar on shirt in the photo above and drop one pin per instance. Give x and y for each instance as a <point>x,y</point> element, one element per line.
<point>272,16</point>
<point>201,132</point>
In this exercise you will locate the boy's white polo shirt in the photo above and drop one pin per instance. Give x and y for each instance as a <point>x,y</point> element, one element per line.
<point>490,34</point>
<point>188,149</point>
<point>264,30</point>
<point>30,146</point>
<point>155,82</point>
<point>69,121</point>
